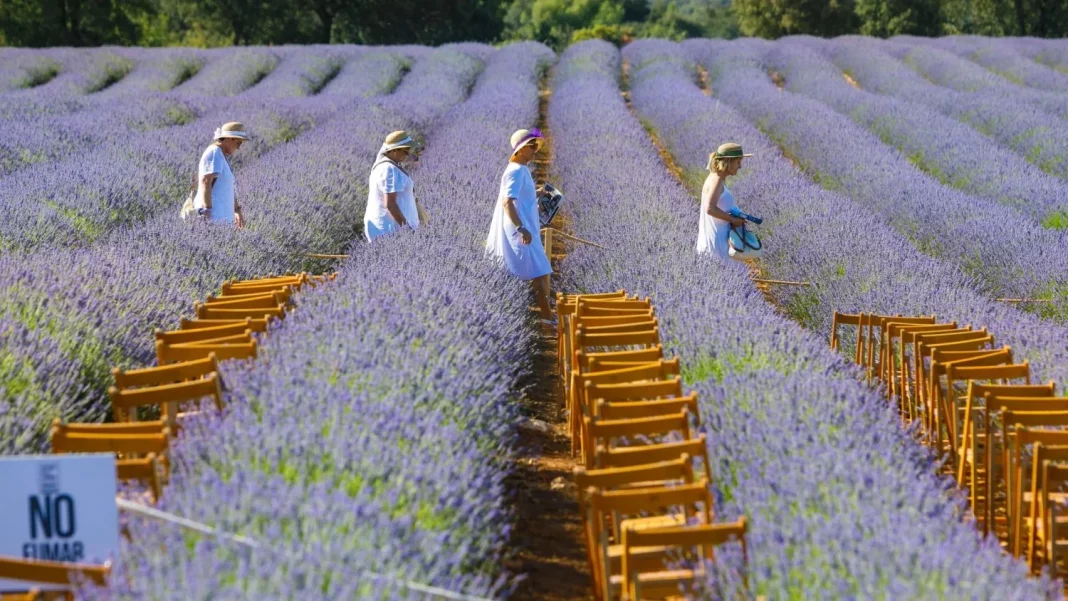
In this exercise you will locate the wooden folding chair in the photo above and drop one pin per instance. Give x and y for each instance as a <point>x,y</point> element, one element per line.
<point>202,334</point>
<point>175,353</point>
<point>847,319</point>
<point>565,308</point>
<point>700,541</point>
<point>252,301</point>
<point>647,408</point>
<point>972,375</point>
<point>281,295</point>
<point>583,342</point>
<point>145,470</point>
<point>1021,429</point>
<point>211,312</point>
<point>926,345</point>
<point>124,446</point>
<point>598,391</point>
<point>578,402</point>
<point>937,393</point>
<point>665,473</point>
<point>874,327</point>
<point>1049,467</point>
<point>603,361</point>
<point>690,501</point>
<point>165,374</point>
<point>602,431</point>
<point>988,466</point>
<point>913,380</point>
<point>574,325</point>
<point>256,325</point>
<point>52,572</point>
<point>168,397</point>
<point>896,365</point>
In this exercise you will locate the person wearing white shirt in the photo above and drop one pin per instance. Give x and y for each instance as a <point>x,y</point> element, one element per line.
<point>391,202</point>
<point>216,195</point>
<point>514,239</point>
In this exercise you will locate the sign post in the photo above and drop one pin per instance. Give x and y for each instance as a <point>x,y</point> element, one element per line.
<point>58,508</point>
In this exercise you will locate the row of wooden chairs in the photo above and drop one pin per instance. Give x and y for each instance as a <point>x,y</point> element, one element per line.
<point>1004,437</point>
<point>644,485</point>
<point>187,374</point>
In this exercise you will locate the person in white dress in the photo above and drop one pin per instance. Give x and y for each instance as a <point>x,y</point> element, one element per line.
<point>391,202</point>
<point>514,236</point>
<point>717,201</point>
<point>216,195</point>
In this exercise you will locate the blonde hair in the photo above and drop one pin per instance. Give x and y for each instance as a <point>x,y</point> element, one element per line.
<point>720,165</point>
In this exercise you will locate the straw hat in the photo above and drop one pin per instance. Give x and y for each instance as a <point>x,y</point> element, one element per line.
<point>396,140</point>
<point>523,137</point>
<point>233,129</point>
<point>730,150</point>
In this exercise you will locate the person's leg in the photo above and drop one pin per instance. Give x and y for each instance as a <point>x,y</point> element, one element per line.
<point>541,296</point>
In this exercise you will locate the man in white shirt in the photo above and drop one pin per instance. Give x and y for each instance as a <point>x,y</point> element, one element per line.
<point>216,199</point>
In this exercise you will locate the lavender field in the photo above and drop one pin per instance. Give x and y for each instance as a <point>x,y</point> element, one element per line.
<point>372,440</point>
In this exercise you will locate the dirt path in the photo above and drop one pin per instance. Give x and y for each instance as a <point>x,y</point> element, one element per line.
<point>548,540</point>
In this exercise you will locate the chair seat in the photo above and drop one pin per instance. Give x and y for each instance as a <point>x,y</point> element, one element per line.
<point>656,521</point>
<point>659,584</point>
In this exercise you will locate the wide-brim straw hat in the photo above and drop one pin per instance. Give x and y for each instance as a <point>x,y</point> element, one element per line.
<point>730,150</point>
<point>524,137</point>
<point>233,129</point>
<point>397,140</point>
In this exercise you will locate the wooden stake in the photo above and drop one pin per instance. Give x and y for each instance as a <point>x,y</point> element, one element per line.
<point>783,282</point>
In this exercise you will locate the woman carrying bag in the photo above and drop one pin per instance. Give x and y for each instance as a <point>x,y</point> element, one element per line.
<point>717,202</point>
<point>391,202</point>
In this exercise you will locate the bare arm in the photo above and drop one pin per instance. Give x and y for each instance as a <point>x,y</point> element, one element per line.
<point>206,183</point>
<point>394,208</point>
<point>513,216</point>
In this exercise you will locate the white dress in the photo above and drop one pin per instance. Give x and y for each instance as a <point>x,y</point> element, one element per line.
<point>525,261</point>
<point>386,177</point>
<point>222,192</point>
<point>712,233</point>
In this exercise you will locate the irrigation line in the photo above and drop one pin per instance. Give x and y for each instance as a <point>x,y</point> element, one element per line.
<point>244,541</point>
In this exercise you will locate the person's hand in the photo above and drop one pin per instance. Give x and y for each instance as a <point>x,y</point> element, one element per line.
<point>239,221</point>
<point>737,221</point>
<point>524,235</point>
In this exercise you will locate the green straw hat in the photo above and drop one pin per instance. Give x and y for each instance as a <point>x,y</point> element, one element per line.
<point>730,150</point>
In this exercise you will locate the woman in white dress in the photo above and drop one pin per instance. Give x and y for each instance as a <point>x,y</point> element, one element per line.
<point>717,201</point>
<point>216,197</point>
<point>514,236</point>
<point>391,202</point>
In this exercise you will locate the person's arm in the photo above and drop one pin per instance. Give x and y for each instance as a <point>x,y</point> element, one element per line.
<point>394,209</point>
<point>713,204</point>
<point>239,219</point>
<point>513,215</point>
<point>423,217</point>
<point>206,182</point>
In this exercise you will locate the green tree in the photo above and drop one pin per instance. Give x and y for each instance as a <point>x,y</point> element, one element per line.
<point>885,18</point>
<point>39,23</point>
<point>776,18</point>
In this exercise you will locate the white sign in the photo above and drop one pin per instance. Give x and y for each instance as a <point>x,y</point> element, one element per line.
<point>59,508</point>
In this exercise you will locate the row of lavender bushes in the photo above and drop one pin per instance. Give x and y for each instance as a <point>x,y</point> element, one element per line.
<point>813,232</point>
<point>70,315</point>
<point>940,221</point>
<point>368,443</point>
<point>842,502</point>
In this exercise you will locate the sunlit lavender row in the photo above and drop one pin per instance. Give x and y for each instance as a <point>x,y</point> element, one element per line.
<point>71,315</point>
<point>842,502</point>
<point>380,431</point>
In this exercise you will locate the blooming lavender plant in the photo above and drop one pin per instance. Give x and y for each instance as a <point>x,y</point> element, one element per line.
<point>842,503</point>
<point>304,196</point>
<point>940,221</point>
<point>380,432</point>
<point>959,156</point>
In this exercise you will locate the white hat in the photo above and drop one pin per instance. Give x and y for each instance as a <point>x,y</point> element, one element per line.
<point>397,139</point>
<point>233,129</point>
<point>522,137</point>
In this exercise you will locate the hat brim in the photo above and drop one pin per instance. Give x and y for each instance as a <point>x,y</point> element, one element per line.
<point>741,156</point>
<point>528,142</point>
<point>235,137</point>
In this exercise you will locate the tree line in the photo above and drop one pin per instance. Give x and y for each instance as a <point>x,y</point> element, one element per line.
<point>209,23</point>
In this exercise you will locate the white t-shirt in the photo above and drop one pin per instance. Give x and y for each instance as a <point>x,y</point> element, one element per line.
<point>385,178</point>
<point>222,193</point>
